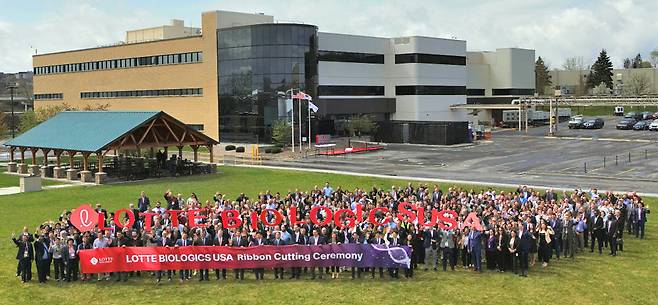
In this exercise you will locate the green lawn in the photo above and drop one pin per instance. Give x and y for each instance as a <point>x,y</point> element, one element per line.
<point>630,278</point>
<point>7,180</point>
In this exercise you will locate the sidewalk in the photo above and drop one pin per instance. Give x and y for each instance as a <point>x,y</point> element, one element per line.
<point>11,190</point>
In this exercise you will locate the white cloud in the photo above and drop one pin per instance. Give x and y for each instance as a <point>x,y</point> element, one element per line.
<point>555,29</point>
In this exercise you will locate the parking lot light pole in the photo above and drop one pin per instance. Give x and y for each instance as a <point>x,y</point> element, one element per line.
<point>13,121</point>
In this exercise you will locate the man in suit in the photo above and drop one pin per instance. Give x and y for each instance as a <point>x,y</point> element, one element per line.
<point>71,260</point>
<point>25,255</point>
<point>526,239</point>
<point>598,231</point>
<point>639,218</point>
<point>121,242</point>
<point>431,244</point>
<point>392,240</point>
<point>377,240</point>
<point>447,247</point>
<point>257,242</point>
<point>316,240</point>
<point>556,223</point>
<point>355,239</point>
<point>184,241</point>
<point>568,236</point>
<point>240,240</point>
<point>220,240</point>
<point>164,241</point>
<point>475,245</point>
<point>84,245</point>
<point>278,241</point>
<point>202,239</point>
<point>613,231</point>
<point>143,202</point>
<point>298,238</point>
<point>42,258</point>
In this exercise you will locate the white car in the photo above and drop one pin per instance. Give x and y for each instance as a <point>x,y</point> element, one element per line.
<point>654,125</point>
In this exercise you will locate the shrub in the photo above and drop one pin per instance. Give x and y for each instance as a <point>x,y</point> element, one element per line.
<point>229,147</point>
<point>239,149</point>
<point>268,150</point>
<point>275,150</point>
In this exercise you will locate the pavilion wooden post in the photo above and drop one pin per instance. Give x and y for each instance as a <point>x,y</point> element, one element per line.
<point>71,154</point>
<point>99,156</point>
<point>34,168</point>
<point>85,160</point>
<point>58,156</point>
<point>166,152</point>
<point>22,167</point>
<point>45,151</point>
<point>11,153</point>
<point>34,155</point>
<point>212,159</point>
<point>85,174</point>
<point>57,171</point>
<point>195,148</point>
<point>22,150</point>
<point>180,151</point>
<point>11,166</point>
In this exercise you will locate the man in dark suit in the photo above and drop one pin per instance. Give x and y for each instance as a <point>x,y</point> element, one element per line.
<point>25,255</point>
<point>240,240</point>
<point>639,218</point>
<point>42,258</point>
<point>164,241</point>
<point>299,238</point>
<point>431,238</point>
<point>526,239</point>
<point>257,242</point>
<point>121,241</point>
<point>220,240</point>
<point>475,245</point>
<point>613,231</point>
<point>598,232</point>
<point>143,202</point>
<point>184,241</point>
<point>202,239</point>
<point>316,240</point>
<point>393,241</point>
<point>568,236</point>
<point>377,240</point>
<point>71,260</point>
<point>355,239</point>
<point>278,241</point>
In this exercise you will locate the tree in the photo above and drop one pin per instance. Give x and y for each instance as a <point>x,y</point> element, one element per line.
<point>542,78</point>
<point>638,84</point>
<point>3,124</point>
<point>654,58</point>
<point>281,133</point>
<point>637,61</point>
<point>574,64</point>
<point>28,120</point>
<point>627,63</point>
<point>601,89</point>
<point>601,71</point>
<point>358,125</point>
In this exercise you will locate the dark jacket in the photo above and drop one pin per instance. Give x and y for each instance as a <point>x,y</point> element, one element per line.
<point>22,246</point>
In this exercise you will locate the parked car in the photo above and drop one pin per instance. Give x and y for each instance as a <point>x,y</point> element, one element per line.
<point>654,125</point>
<point>626,123</point>
<point>655,115</point>
<point>633,115</point>
<point>619,111</point>
<point>647,115</point>
<point>576,122</point>
<point>642,125</point>
<point>596,123</point>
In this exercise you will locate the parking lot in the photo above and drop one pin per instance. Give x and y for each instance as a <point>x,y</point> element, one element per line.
<point>576,158</point>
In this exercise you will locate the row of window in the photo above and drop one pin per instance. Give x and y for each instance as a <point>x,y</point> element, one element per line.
<point>512,91</point>
<point>419,58</point>
<point>156,60</point>
<point>475,92</point>
<point>363,58</point>
<point>430,90</point>
<point>351,90</point>
<point>143,93</point>
<point>48,96</point>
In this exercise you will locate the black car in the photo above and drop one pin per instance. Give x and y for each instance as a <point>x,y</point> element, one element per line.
<point>596,123</point>
<point>634,115</point>
<point>642,125</point>
<point>626,123</point>
<point>647,115</point>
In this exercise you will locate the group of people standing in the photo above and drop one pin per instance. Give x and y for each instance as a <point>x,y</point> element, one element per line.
<point>518,227</point>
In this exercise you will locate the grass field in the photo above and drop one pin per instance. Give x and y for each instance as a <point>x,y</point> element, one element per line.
<point>630,278</point>
<point>13,180</point>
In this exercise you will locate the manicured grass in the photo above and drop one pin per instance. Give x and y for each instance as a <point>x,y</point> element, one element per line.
<point>629,278</point>
<point>7,180</point>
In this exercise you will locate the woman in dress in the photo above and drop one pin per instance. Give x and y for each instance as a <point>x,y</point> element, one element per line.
<point>545,233</point>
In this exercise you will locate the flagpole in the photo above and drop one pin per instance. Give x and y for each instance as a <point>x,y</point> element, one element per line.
<point>309,124</point>
<point>299,101</point>
<point>292,118</point>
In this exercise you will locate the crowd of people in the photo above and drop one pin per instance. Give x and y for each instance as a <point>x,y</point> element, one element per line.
<point>519,228</point>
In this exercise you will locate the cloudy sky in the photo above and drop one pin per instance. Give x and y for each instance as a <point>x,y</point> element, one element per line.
<point>556,29</point>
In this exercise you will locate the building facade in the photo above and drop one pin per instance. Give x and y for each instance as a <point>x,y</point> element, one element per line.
<point>231,78</point>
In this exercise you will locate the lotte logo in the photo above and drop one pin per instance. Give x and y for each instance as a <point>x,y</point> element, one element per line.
<point>94,261</point>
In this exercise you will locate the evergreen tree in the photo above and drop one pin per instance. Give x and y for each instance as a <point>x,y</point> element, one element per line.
<point>542,77</point>
<point>601,71</point>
